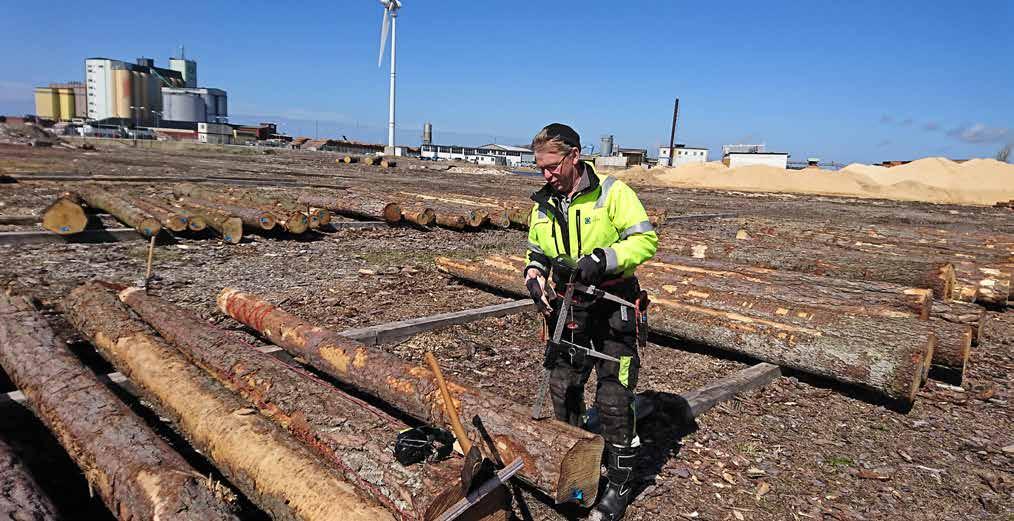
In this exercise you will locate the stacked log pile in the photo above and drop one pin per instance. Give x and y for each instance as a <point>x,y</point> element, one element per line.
<point>887,352</point>
<point>274,469</point>
<point>123,209</point>
<point>559,459</point>
<point>135,472</point>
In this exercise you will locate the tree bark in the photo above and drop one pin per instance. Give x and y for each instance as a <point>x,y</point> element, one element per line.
<point>120,208</point>
<point>65,215</point>
<point>997,331</point>
<point>254,218</point>
<point>171,220</point>
<point>20,496</point>
<point>886,355</point>
<point>960,313</point>
<point>818,260</point>
<point>137,475</point>
<point>227,225</point>
<point>863,297</point>
<point>350,434</point>
<point>559,459</point>
<point>273,469</point>
<point>982,284</point>
<point>954,343</point>
<point>360,205</point>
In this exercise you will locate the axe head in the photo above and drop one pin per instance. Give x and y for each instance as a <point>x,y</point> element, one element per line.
<point>476,470</point>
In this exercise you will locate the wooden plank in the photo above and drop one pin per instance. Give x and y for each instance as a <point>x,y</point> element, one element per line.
<point>87,236</point>
<point>753,377</point>
<point>394,331</point>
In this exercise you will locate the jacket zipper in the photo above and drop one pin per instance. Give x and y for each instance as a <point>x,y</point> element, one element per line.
<point>578,212</point>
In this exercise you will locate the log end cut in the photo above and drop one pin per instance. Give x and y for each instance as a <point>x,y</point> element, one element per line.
<point>232,230</point>
<point>392,212</point>
<point>64,217</point>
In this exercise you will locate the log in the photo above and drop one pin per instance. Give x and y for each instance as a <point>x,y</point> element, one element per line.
<point>195,223</point>
<point>862,297</point>
<point>227,225</point>
<point>20,496</point>
<point>477,217</point>
<point>348,433</point>
<point>254,218</point>
<point>451,220</point>
<point>350,159</point>
<point>388,163</point>
<point>361,205</point>
<point>418,213</point>
<point>889,356</point>
<point>125,211</point>
<point>954,343</point>
<point>273,469</point>
<point>819,260</point>
<point>960,313</point>
<point>997,332</point>
<point>137,475</point>
<point>702,399</point>
<point>561,460</point>
<point>982,284</point>
<point>65,215</point>
<point>323,216</point>
<point>171,220</point>
<point>294,222</point>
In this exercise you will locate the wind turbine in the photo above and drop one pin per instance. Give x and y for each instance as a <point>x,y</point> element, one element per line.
<point>390,19</point>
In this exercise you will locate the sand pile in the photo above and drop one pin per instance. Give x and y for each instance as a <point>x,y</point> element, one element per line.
<point>933,179</point>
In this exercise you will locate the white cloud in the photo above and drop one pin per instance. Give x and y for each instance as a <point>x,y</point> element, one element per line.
<point>980,133</point>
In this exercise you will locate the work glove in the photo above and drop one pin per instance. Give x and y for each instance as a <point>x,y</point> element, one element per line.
<point>537,289</point>
<point>591,268</point>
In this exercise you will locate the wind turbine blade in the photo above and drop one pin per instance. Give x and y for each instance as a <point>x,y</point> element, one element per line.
<point>383,36</point>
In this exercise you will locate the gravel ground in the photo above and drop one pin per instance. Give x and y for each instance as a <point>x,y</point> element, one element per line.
<point>795,449</point>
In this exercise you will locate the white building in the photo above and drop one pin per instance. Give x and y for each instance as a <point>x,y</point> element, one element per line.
<point>214,133</point>
<point>682,155</point>
<point>492,154</point>
<point>775,159</point>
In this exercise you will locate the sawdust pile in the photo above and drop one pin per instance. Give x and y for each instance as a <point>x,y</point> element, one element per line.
<point>933,179</point>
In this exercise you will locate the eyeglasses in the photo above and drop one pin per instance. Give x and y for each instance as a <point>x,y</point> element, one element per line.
<point>555,169</point>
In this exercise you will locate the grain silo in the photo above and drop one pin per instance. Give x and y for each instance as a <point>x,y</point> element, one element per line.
<point>123,84</point>
<point>607,145</point>
<point>47,103</point>
<point>144,100</point>
<point>183,105</point>
<point>427,137</point>
<point>66,101</point>
<point>222,105</point>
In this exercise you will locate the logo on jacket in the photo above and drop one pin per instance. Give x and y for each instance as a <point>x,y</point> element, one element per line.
<point>587,220</point>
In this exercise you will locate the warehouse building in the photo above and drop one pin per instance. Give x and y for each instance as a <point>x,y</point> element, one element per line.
<point>491,154</point>
<point>745,155</point>
<point>682,155</point>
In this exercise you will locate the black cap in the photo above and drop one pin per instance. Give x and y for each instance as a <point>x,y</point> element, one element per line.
<point>563,133</point>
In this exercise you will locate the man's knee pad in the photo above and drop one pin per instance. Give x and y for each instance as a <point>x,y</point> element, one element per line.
<point>616,412</point>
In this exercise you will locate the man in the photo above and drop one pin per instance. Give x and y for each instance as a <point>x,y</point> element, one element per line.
<point>598,223</point>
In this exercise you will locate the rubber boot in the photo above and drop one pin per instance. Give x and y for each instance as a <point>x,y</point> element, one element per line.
<point>619,492</point>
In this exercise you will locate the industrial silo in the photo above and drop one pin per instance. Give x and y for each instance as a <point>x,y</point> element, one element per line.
<point>47,103</point>
<point>607,145</point>
<point>154,93</point>
<point>210,105</point>
<point>427,133</point>
<point>80,101</point>
<point>66,101</point>
<point>222,105</point>
<point>179,105</point>
<point>142,95</point>
<point>122,80</point>
<point>136,96</point>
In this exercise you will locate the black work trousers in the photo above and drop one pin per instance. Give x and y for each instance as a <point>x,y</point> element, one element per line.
<point>612,331</point>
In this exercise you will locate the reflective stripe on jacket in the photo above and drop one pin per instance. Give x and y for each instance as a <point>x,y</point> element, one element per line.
<point>606,214</point>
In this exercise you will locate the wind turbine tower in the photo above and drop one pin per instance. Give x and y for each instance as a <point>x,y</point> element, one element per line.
<point>391,8</point>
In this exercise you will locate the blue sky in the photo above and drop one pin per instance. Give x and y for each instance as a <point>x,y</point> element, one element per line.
<point>843,81</point>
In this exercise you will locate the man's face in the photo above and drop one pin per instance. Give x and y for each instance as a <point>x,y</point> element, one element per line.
<point>559,170</point>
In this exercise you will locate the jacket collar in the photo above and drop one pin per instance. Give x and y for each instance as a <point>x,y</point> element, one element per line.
<point>588,182</point>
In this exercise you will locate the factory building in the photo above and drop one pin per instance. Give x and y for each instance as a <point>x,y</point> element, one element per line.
<point>491,154</point>
<point>187,69</point>
<point>199,105</point>
<point>682,155</point>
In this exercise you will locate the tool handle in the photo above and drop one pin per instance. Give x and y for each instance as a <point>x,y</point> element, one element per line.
<point>449,410</point>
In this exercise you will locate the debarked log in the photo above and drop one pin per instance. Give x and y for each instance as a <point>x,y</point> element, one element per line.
<point>173,221</point>
<point>125,211</point>
<point>227,225</point>
<point>361,205</point>
<point>273,469</point>
<point>347,432</point>
<point>135,472</point>
<point>418,213</point>
<point>254,218</point>
<point>20,495</point>
<point>559,459</point>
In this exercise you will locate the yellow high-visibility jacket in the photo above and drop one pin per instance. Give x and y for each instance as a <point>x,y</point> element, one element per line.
<point>605,214</point>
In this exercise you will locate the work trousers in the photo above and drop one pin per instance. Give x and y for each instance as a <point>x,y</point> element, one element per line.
<point>612,331</point>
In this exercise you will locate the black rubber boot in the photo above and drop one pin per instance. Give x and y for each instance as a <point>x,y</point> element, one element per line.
<point>619,492</point>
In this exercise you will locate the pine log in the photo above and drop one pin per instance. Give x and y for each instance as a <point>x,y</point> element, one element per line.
<point>361,205</point>
<point>137,475</point>
<point>171,220</point>
<point>195,223</point>
<point>997,331</point>
<point>273,469</point>
<point>982,284</point>
<point>125,211</point>
<point>819,260</point>
<point>561,460</point>
<point>253,218</point>
<point>65,215</point>
<point>347,432</point>
<point>954,343</point>
<point>477,217</point>
<point>323,216</point>
<point>889,356</point>
<point>350,159</point>
<point>20,496</point>
<point>451,219</point>
<point>227,225</point>
<point>388,163</point>
<point>861,297</point>
<point>418,213</point>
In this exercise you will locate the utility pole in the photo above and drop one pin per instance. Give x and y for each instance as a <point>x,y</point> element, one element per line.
<point>672,136</point>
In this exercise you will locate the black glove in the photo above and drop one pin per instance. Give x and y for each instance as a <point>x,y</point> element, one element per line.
<point>591,268</point>
<point>535,290</point>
